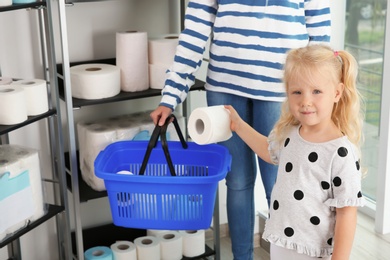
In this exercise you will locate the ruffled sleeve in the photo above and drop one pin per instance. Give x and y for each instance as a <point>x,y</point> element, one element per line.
<point>346,178</point>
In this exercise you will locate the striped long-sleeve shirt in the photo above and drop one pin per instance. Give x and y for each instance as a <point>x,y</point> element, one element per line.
<point>248,43</point>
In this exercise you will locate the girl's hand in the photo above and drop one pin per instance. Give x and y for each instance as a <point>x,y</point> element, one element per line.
<point>235,119</point>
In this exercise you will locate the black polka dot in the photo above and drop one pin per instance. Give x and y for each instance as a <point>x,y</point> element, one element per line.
<point>342,151</point>
<point>357,165</point>
<point>289,232</point>
<point>276,205</point>
<point>330,241</point>
<point>325,185</point>
<point>359,195</point>
<point>289,167</point>
<point>337,181</point>
<point>315,220</point>
<point>313,157</point>
<point>298,195</point>
<point>286,142</point>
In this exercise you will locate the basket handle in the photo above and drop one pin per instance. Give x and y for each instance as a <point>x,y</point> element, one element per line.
<point>162,131</point>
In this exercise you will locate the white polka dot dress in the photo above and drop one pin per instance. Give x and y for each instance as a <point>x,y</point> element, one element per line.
<point>313,179</point>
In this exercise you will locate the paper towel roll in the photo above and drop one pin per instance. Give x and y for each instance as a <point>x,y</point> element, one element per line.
<point>95,81</point>
<point>162,50</point>
<point>13,108</point>
<point>171,245</point>
<point>157,75</point>
<point>5,80</point>
<point>132,59</point>
<point>124,250</point>
<point>148,248</point>
<point>209,125</point>
<point>36,95</point>
<point>193,242</point>
<point>98,253</point>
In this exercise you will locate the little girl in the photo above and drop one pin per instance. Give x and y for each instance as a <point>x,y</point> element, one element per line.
<point>316,144</point>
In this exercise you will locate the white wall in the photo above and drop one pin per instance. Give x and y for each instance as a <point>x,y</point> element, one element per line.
<point>91,29</point>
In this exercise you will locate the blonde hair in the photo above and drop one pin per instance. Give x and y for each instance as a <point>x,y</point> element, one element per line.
<point>340,67</point>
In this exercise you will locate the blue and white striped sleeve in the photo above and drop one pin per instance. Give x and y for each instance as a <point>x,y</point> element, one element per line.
<point>199,21</point>
<point>318,20</point>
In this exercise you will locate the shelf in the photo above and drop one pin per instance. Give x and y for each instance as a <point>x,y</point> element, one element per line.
<point>122,96</point>
<point>86,192</point>
<point>108,234</point>
<point>14,7</point>
<point>31,119</point>
<point>51,212</point>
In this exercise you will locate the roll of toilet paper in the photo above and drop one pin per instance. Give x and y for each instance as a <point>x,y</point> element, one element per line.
<point>193,242</point>
<point>124,250</point>
<point>5,80</point>
<point>148,248</point>
<point>36,95</point>
<point>171,245</point>
<point>162,49</point>
<point>95,81</point>
<point>209,125</point>
<point>132,59</point>
<point>155,232</point>
<point>13,109</point>
<point>157,75</point>
<point>98,253</point>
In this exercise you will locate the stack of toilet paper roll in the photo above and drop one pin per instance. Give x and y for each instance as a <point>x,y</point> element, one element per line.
<point>161,55</point>
<point>94,136</point>
<point>22,98</point>
<point>132,59</point>
<point>95,81</point>
<point>21,195</point>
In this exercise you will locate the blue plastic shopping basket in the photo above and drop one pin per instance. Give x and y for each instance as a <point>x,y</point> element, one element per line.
<point>169,189</point>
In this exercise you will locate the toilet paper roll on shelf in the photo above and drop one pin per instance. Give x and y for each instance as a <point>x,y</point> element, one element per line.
<point>36,95</point>
<point>98,253</point>
<point>148,248</point>
<point>193,242</point>
<point>171,245</point>
<point>208,125</point>
<point>13,109</point>
<point>162,49</point>
<point>132,59</point>
<point>124,250</point>
<point>161,56</point>
<point>95,81</point>
<point>5,80</point>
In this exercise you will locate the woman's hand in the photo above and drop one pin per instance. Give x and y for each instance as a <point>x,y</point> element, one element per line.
<point>160,114</point>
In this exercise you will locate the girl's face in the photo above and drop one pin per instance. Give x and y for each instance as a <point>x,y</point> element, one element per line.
<point>311,101</point>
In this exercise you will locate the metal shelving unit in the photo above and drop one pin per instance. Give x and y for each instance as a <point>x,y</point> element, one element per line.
<point>53,117</point>
<point>83,238</point>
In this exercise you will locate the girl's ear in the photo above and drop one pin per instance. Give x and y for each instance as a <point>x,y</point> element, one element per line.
<point>339,92</point>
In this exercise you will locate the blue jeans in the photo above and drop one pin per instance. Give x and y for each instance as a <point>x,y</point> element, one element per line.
<point>240,181</point>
